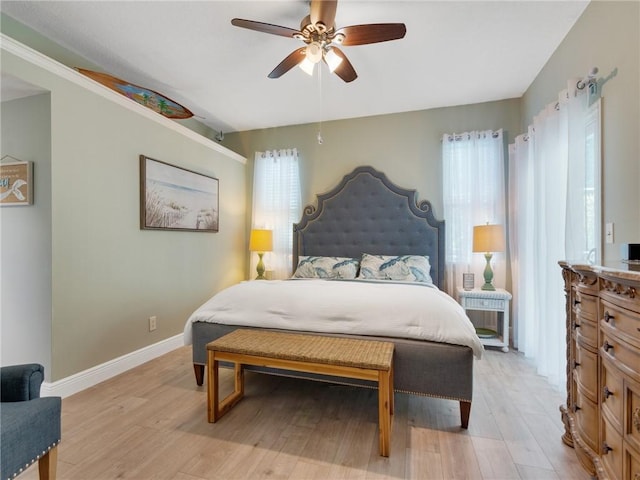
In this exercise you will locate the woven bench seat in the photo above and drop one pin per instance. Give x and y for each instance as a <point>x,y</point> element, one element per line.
<point>336,356</point>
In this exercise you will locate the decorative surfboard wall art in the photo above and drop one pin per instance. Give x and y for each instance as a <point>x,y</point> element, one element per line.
<point>144,96</point>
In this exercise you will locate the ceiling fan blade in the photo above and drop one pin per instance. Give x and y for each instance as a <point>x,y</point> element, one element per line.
<point>293,59</point>
<point>345,70</point>
<point>265,27</point>
<point>372,33</point>
<point>324,11</point>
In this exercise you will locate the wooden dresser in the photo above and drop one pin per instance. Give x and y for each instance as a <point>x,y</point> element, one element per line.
<point>602,413</point>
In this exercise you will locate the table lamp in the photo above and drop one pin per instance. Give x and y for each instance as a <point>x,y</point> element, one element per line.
<point>488,239</point>
<point>261,241</point>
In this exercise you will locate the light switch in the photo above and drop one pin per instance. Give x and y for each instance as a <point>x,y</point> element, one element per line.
<point>608,233</point>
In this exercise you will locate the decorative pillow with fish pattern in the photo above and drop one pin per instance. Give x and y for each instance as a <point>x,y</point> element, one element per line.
<point>404,268</point>
<point>326,267</point>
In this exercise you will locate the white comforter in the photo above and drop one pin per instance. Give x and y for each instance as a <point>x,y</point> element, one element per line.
<point>388,309</point>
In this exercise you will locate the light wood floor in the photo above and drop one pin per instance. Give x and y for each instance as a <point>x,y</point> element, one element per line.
<point>150,423</point>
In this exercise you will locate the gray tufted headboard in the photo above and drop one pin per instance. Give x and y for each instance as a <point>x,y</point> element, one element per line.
<point>366,213</point>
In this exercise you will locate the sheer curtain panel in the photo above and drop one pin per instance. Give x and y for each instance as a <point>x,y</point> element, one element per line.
<point>551,210</point>
<point>276,206</point>
<point>473,169</point>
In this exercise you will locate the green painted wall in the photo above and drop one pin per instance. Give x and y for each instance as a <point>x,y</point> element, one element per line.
<point>108,276</point>
<point>25,238</point>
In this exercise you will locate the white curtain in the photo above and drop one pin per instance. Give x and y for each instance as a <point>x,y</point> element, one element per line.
<point>277,205</point>
<point>473,194</point>
<point>547,219</point>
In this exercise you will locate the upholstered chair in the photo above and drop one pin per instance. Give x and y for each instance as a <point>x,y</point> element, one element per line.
<point>29,425</point>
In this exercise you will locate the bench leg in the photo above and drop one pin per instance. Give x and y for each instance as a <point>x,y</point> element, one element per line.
<point>238,379</point>
<point>391,391</point>
<point>385,405</point>
<point>212,387</point>
<point>47,464</point>
<point>465,413</point>
<point>215,407</point>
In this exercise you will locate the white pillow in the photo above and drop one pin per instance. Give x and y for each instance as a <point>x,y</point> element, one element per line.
<point>326,267</point>
<point>405,268</point>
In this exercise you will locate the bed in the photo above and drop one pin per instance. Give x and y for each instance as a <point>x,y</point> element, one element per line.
<point>364,214</point>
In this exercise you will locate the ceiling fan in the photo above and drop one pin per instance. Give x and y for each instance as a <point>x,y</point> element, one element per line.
<point>318,32</point>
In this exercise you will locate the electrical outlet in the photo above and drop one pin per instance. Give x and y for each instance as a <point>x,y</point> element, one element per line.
<point>608,233</point>
<point>152,323</point>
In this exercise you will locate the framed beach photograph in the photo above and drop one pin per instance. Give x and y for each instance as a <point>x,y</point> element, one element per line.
<point>174,198</point>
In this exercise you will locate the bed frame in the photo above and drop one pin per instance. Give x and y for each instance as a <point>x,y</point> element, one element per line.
<point>366,213</point>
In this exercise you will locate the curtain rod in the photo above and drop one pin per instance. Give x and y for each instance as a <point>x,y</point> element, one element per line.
<point>588,80</point>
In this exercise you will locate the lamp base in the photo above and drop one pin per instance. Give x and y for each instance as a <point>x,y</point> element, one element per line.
<point>488,274</point>
<point>260,268</point>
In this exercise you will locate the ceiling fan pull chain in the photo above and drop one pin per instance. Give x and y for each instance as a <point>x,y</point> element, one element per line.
<point>319,137</point>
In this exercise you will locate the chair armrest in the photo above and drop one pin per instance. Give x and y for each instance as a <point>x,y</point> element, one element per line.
<point>19,383</point>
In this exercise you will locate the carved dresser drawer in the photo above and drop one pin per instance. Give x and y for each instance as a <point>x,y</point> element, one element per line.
<point>632,414</point>
<point>611,450</point>
<point>624,356</point>
<point>612,394</point>
<point>586,306</point>
<point>624,323</point>
<point>587,332</point>
<point>586,313</point>
<point>586,416</point>
<point>586,372</point>
<point>631,467</point>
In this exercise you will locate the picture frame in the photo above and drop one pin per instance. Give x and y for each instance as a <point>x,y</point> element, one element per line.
<point>178,199</point>
<point>16,182</point>
<point>468,281</point>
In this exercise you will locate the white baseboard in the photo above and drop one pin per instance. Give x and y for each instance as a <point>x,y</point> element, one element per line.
<point>92,376</point>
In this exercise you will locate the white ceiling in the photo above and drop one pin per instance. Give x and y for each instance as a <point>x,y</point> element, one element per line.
<point>454,53</point>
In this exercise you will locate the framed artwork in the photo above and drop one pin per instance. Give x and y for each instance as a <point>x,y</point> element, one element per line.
<point>174,198</point>
<point>16,182</point>
<point>468,281</point>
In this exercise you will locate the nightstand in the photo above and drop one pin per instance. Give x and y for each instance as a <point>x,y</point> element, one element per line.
<point>489,301</point>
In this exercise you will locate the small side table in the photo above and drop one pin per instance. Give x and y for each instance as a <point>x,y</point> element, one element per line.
<point>489,301</point>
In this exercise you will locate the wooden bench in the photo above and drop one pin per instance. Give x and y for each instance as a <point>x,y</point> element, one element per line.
<point>336,356</point>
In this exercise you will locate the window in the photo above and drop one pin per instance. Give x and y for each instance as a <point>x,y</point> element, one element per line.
<point>277,205</point>
<point>592,249</point>
<point>473,194</point>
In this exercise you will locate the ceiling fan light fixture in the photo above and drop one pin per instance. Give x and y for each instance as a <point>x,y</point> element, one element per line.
<point>314,52</point>
<point>333,59</point>
<point>307,66</point>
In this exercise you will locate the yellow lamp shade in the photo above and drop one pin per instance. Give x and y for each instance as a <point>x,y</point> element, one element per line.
<point>488,238</point>
<point>261,240</point>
